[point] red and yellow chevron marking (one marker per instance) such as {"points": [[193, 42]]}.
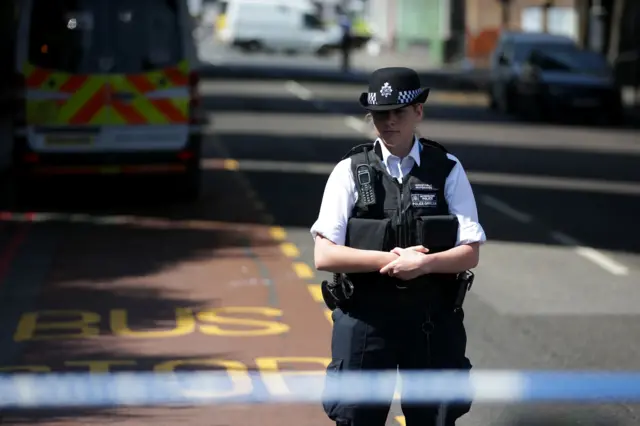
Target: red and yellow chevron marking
{"points": [[92, 98], [85, 104], [141, 109]]}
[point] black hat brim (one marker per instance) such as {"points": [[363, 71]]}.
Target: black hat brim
{"points": [[420, 99]]}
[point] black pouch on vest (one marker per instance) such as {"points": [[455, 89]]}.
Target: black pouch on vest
{"points": [[368, 234], [437, 233]]}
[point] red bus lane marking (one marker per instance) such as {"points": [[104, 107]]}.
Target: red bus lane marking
{"points": [[10, 250]]}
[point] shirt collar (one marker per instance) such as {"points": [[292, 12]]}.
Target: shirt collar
{"points": [[414, 153]]}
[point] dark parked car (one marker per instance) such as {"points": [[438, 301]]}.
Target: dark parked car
{"points": [[563, 81]]}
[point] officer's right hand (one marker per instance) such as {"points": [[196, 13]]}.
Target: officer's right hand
{"points": [[421, 249]]}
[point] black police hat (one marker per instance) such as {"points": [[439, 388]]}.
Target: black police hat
{"points": [[393, 88]]}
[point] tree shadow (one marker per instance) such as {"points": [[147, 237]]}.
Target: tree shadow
{"points": [[555, 203], [434, 109]]}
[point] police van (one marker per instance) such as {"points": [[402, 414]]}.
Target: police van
{"points": [[108, 87]]}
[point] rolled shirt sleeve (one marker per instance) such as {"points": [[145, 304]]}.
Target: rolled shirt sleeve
{"points": [[462, 203], [338, 200]]}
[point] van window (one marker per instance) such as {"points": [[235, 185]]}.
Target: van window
{"points": [[144, 34], [222, 7], [65, 35], [312, 21]]}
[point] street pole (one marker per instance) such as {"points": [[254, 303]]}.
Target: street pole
{"points": [[506, 14], [548, 4], [505, 9], [596, 26]]}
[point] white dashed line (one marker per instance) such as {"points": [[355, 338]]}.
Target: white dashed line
{"points": [[506, 209], [298, 90], [564, 239], [589, 253], [357, 125]]}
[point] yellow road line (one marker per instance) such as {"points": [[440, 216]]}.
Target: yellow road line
{"points": [[316, 292], [303, 270], [231, 164], [327, 313], [289, 249], [401, 421], [278, 233]]}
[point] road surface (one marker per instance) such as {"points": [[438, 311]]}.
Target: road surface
{"points": [[556, 287]]}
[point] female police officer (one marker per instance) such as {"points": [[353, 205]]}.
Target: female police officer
{"points": [[398, 220]]}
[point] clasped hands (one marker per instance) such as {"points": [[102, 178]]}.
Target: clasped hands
{"points": [[410, 263]]}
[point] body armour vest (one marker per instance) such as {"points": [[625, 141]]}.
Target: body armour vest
{"points": [[393, 214]]}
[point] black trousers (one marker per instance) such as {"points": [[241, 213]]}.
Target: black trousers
{"points": [[371, 336]]}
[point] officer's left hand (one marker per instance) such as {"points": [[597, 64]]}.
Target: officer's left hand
{"points": [[407, 266]]}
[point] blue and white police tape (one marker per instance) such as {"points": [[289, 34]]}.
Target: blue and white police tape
{"points": [[220, 387]]}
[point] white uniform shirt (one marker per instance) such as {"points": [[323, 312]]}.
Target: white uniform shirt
{"points": [[340, 196]]}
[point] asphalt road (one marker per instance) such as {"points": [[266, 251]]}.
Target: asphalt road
{"points": [[556, 287]]}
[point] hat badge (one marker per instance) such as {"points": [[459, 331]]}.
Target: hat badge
{"points": [[386, 90]]}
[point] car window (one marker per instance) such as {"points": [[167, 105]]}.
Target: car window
{"points": [[506, 50], [67, 35], [144, 34], [523, 50], [574, 61]]}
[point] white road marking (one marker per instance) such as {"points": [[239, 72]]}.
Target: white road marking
{"points": [[357, 125], [506, 209], [298, 90], [591, 254]]}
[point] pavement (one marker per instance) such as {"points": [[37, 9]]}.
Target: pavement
{"points": [[121, 278]]}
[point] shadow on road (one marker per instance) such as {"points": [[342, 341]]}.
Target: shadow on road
{"points": [[598, 217], [87, 327], [159, 233], [94, 257], [434, 110]]}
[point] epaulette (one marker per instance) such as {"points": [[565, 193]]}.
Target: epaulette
{"points": [[358, 148], [433, 144]]}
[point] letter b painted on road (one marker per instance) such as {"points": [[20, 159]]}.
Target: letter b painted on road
{"points": [[55, 325]]}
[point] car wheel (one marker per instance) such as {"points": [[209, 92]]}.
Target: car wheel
{"points": [[493, 104]]}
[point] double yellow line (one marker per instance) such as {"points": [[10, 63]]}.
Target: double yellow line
{"points": [[301, 269]]}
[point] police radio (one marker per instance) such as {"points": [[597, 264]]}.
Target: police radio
{"points": [[367, 192]]}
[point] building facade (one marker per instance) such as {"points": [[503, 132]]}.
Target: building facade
{"points": [[434, 28], [485, 18]]}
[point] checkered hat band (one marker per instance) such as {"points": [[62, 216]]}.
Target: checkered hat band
{"points": [[404, 97]]}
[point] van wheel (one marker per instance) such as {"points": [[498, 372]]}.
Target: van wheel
{"points": [[493, 104], [251, 46], [24, 191], [189, 186], [323, 51]]}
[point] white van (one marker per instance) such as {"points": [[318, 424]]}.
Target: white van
{"points": [[283, 26], [107, 87]]}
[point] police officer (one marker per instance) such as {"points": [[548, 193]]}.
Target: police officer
{"points": [[398, 227]]}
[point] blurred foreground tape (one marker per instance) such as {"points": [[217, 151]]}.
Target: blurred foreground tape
{"points": [[212, 387]]}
